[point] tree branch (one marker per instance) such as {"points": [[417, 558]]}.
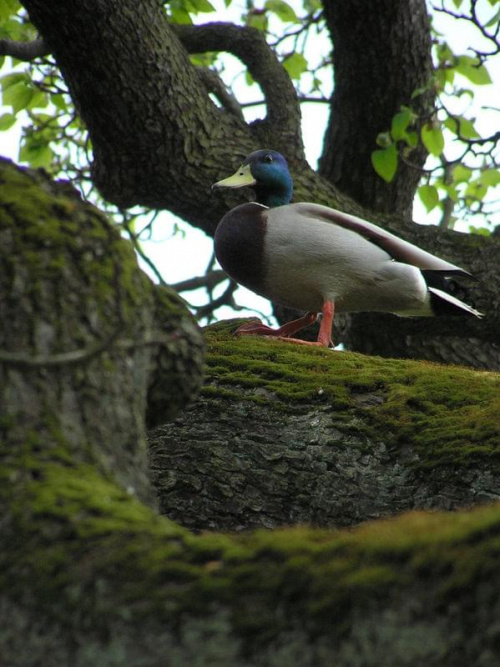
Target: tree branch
{"points": [[24, 50], [209, 280], [216, 86], [250, 46]]}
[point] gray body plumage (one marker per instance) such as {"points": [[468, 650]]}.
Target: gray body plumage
{"points": [[323, 261], [305, 254]]}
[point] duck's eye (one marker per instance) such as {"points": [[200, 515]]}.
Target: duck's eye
{"points": [[268, 159]]}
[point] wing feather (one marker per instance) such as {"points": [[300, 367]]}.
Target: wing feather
{"points": [[399, 250]]}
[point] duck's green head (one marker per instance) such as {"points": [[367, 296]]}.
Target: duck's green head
{"points": [[267, 172]]}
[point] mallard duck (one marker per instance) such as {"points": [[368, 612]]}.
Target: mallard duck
{"points": [[317, 259]]}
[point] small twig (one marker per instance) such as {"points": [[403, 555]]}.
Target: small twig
{"points": [[224, 299], [210, 280], [301, 98], [141, 253]]}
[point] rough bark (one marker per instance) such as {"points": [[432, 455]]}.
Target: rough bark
{"points": [[381, 56], [85, 336], [91, 575], [153, 125], [159, 140], [284, 435]]}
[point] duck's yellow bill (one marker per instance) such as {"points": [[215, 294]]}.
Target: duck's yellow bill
{"points": [[242, 177]]}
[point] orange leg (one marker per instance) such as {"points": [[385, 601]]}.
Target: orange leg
{"points": [[257, 328], [285, 331], [325, 329]]}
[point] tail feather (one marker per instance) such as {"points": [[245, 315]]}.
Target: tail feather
{"points": [[443, 303]]}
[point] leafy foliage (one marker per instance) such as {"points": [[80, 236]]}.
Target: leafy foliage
{"points": [[464, 162]]}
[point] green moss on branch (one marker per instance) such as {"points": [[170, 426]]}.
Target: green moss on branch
{"points": [[449, 413]]}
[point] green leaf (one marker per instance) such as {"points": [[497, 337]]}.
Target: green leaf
{"points": [[400, 123], [451, 123], [451, 191], [18, 96], [384, 139], [256, 19], [490, 177], [466, 128], [39, 100], [198, 6], [59, 101], [419, 91], [203, 59], [412, 139], [494, 19], [316, 84], [473, 70], [249, 80], [180, 15], [36, 154], [432, 137], [312, 6], [444, 53], [429, 196], [444, 76], [282, 10], [476, 190], [457, 3], [10, 79], [7, 120], [385, 162], [8, 8], [461, 173], [295, 64]]}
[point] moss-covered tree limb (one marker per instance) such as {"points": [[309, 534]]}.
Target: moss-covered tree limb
{"points": [[284, 434], [89, 576], [85, 337]]}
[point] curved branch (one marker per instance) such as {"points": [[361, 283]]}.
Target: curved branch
{"points": [[250, 46], [24, 50], [215, 85]]}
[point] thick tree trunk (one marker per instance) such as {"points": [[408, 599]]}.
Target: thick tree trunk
{"points": [[381, 56], [90, 575]]}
